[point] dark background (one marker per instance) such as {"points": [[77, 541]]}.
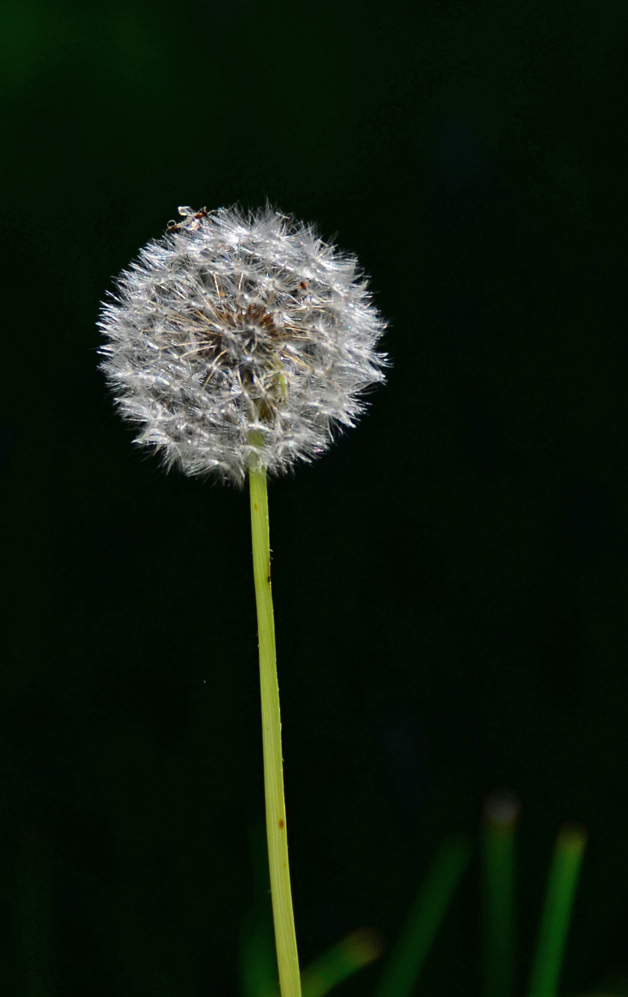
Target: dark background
{"points": [[450, 579]]}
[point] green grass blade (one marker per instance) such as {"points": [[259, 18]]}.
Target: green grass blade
{"points": [[258, 963], [499, 820], [258, 960], [356, 950], [409, 955], [561, 889]]}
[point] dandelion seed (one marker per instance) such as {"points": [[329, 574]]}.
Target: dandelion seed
{"points": [[235, 335]]}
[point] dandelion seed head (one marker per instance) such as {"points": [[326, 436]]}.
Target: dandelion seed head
{"points": [[238, 335]]}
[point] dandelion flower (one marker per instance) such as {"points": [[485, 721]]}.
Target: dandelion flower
{"points": [[235, 335], [239, 343]]}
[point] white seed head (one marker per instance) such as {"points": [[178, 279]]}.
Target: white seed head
{"points": [[236, 335]]}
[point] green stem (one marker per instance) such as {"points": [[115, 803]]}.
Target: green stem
{"points": [[276, 831]]}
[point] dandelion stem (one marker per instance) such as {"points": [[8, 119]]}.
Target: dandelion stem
{"points": [[276, 831]]}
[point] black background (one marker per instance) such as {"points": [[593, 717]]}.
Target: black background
{"points": [[450, 579]]}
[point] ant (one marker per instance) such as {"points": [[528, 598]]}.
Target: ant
{"points": [[189, 216]]}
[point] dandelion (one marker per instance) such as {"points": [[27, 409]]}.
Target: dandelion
{"points": [[239, 344], [233, 335]]}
